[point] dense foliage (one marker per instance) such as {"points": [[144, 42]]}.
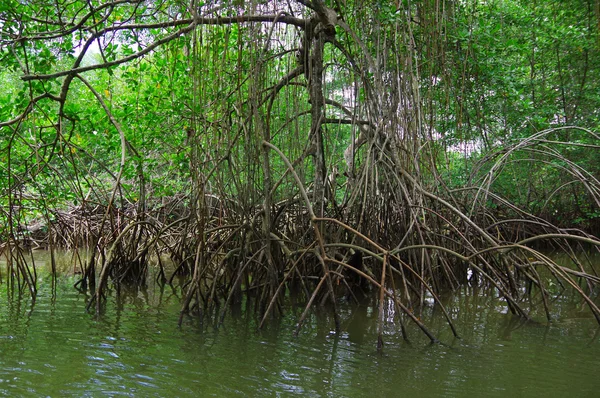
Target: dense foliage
{"points": [[265, 144]]}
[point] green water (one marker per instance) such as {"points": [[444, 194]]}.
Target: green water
{"points": [[55, 348]]}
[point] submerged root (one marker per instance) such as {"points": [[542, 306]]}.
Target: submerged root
{"points": [[406, 249]]}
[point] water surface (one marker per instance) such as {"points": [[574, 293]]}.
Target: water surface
{"points": [[55, 348]]}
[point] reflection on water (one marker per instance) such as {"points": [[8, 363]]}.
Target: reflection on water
{"points": [[136, 349]]}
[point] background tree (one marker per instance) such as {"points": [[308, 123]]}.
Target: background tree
{"points": [[307, 145]]}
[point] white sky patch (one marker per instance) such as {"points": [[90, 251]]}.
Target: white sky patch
{"points": [[90, 55]]}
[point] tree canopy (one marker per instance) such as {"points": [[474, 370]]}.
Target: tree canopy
{"points": [[261, 144]]}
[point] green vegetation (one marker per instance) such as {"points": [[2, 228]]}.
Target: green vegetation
{"points": [[263, 145]]}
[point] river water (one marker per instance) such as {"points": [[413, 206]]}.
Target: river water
{"points": [[55, 348]]}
